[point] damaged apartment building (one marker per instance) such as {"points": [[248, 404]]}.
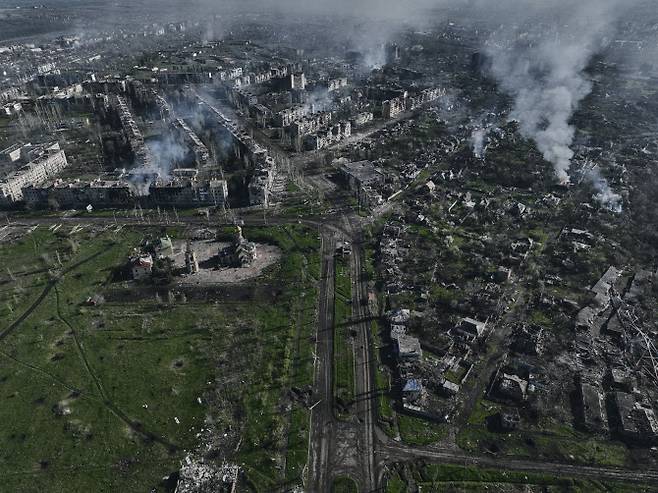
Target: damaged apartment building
{"points": [[257, 160], [364, 180], [27, 166], [184, 190], [394, 107]]}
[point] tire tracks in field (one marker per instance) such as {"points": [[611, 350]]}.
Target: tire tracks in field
{"points": [[46, 290], [104, 398]]}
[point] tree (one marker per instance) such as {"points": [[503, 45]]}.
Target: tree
{"points": [[163, 271]]}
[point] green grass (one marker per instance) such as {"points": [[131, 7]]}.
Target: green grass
{"points": [[435, 477], [417, 431], [482, 410], [447, 477], [343, 351], [382, 380], [344, 485], [292, 187], [275, 441], [395, 484], [130, 375], [570, 446], [59, 358]]}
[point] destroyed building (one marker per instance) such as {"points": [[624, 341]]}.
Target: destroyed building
{"points": [[363, 179], [27, 166], [141, 266], [120, 192]]}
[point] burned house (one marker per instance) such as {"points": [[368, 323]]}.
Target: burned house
{"points": [[507, 419], [411, 390], [508, 388], [589, 318], [407, 347], [528, 339], [448, 388]]}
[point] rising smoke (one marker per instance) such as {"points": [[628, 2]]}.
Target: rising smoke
{"points": [[603, 195], [164, 155], [479, 142], [542, 66], [539, 52], [318, 100]]}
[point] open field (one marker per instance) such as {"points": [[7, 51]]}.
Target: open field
{"points": [[343, 350], [557, 443], [439, 478], [109, 397]]}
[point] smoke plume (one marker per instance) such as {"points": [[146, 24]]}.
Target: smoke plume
{"points": [[542, 66], [604, 195], [165, 155], [478, 142]]}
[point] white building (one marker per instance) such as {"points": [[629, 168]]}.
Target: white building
{"points": [[43, 163]]}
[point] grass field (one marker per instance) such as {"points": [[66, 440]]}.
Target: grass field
{"points": [[418, 431], [560, 443], [344, 485], [274, 352], [343, 350], [445, 477], [108, 397]]}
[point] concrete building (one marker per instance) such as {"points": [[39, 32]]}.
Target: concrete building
{"points": [[42, 163], [329, 135], [192, 140], [364, 179], [298, 81], [633, 421], [118, 192], [392, 53], [12, 153], [336, 84], [286, 117], [408, 348], [309, 124], [362, 119], [132, 133], [394, 107], [590, 412], [191, 262], [471, 329]]}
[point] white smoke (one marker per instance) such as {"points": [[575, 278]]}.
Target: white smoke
{"points": [[479, 142], [165, 154], [604, 195], [545, 74], [318, 100]]}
